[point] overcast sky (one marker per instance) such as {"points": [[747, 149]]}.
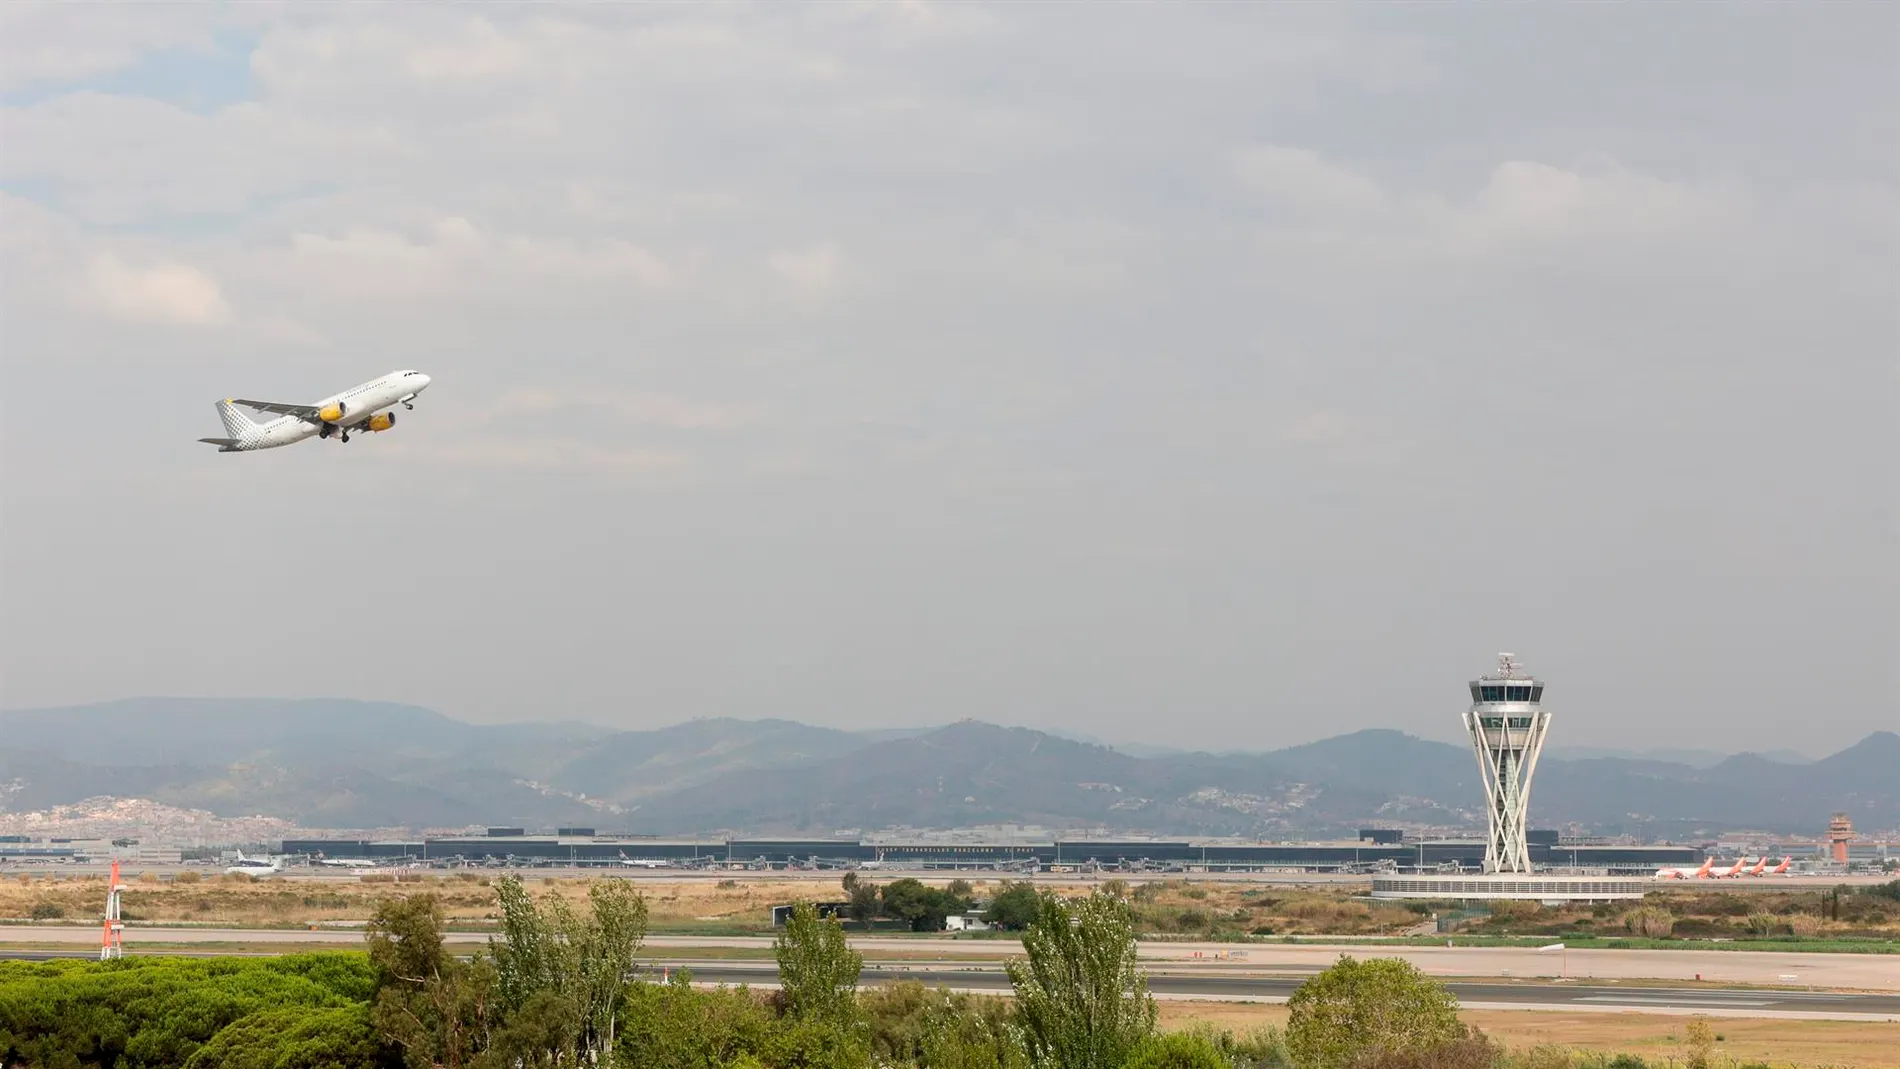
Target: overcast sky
{"points": [[1224, 375]]}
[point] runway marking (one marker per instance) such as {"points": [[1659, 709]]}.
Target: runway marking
{"points": [[1688, 1000]]}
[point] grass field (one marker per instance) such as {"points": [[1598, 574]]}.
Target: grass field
{"points": [[1799, 919], [1807, 1044]]}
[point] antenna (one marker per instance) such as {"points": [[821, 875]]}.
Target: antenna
{"points": [[112, 939]]}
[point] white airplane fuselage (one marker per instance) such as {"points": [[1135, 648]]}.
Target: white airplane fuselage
{"points": [[359, 408], [252, 866]]}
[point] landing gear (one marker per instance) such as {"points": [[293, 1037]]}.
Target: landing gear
{"points": [[409, 406], [346, 436]]}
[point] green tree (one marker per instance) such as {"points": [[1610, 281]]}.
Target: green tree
{"points": [[1357, 1009], [864, 906], [1081, 999], [1015, 906], [147, 1012], [675, 1026], [923, 908], [817, 970], [301, 1038], [439, 1011], [557, 970]]}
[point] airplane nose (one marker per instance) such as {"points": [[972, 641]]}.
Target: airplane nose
{"points": [[424, 384]]}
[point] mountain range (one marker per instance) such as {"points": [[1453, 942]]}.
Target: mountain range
{"points": [[356, 764]]}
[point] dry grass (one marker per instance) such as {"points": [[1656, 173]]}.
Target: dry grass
{"points": [[1215, 908], [1864, 1045], [1177, 907], [242, 901]]}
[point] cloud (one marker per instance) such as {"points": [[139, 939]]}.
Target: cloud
{"points": [[452, 256], [635, 409], [816, 271], [65, 44], [168, 293], [1520, 203], [902, 313]]}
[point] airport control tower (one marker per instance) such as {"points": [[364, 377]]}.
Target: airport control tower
{"points": [[1507, 724]]}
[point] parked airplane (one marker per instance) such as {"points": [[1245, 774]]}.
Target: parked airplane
{"points": [[1687, 874], [1733, 872], [643, 862], [254, 866], [355, 409], [1778, 870]]}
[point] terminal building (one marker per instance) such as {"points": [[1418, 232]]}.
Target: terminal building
{"points": [[1506, 723], [585, 847]]}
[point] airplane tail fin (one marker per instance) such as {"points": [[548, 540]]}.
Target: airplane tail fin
{"points": [[236, 423]]}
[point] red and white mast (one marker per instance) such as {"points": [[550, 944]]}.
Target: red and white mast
{"points": [[112, 940]]}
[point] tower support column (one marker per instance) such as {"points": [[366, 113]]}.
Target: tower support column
{"points": [[1507, 724]]}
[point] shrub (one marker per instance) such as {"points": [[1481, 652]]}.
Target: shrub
{"points": [[1804, 924], [1360, 1008], [1650, 922], [1262, 1048], [1762, 923], [1514, 911], [1471, 1052], [48, 911], [1701, 1041], [1176, 1050]]}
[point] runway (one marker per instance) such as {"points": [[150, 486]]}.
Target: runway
{"points": [[1474, 995], [1200, 984], [1879, 973]]}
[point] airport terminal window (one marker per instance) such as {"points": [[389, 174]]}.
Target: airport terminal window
{"points": [[1520, 721], [1537, 693], [1477, 693], [1493, 723]]}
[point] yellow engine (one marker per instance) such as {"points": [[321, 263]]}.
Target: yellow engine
{"points": [[381, 421], [332, 413]]}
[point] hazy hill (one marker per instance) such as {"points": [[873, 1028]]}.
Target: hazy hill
{"points": [[221, 730], [344, 763], [976, 773], [638, 764]]}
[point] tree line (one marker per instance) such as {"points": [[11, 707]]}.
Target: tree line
{"points": [[559, 987]]}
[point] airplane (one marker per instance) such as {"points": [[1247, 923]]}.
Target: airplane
{"points": [[643, 862], [1687, 874], [355, 409], [1778, 870], [1731, 873], [254, 866]]}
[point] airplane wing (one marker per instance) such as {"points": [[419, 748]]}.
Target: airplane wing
{"points": [[308, 412]]}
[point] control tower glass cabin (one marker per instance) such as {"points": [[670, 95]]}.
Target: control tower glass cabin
{"points": [[1507, 724]]}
